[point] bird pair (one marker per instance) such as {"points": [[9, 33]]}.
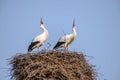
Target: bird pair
{"points": [[63, 42]]}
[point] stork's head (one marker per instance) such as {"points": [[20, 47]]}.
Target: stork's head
{"points": [[41, 23], [73, 28]]}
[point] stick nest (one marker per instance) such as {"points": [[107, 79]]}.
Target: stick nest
{"points": [[51, 65]]}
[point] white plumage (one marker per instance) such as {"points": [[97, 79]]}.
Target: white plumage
{"points": [[40, 39], [65, 40]]}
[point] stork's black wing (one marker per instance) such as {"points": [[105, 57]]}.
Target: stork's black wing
{"points": [[58, 44], [31, 45]]}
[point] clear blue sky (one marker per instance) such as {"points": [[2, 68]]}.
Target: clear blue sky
{"points": [[97, 24]]}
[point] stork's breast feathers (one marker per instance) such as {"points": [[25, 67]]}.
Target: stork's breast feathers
{"points": [[69, 38], [42, 38]]}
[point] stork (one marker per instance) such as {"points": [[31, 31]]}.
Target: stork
{"points": [[40, 39], [65, 40]]}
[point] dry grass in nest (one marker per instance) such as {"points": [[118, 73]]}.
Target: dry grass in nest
{"points": [[51, 65]]}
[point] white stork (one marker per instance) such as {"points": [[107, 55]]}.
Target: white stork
{"points": [[40, 39], [65, 40]]}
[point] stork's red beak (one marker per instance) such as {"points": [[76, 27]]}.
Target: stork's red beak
{"points": [[41, 22], [73, 23]]}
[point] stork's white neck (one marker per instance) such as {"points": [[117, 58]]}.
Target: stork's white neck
{"points": [[44, 29], [74, 31]]}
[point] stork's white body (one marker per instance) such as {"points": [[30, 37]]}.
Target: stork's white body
{"points": [[65, 40], [40, 39]]}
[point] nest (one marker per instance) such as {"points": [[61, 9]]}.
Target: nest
{"points": [[51, 65]]}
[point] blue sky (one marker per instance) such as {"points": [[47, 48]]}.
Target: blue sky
{"points": [[97, 24]]}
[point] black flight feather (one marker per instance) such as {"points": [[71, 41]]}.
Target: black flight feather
{"points": [[58, 44], [31, 45]]}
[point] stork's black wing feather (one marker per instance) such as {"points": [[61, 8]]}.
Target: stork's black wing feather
{"points": [[58, 44], [31, 45]]}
